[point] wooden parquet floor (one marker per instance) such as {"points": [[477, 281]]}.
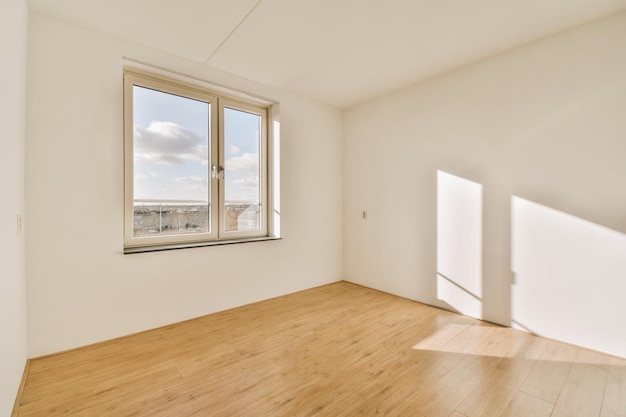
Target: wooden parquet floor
{"points": [[337, 350]]}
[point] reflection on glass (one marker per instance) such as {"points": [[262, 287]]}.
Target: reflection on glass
{"points": [[171, 153], [242, 191]]}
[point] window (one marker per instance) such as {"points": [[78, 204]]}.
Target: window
{"points": [[197, 165]]}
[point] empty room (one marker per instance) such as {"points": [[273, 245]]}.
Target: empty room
{"points": [[298, 208]]}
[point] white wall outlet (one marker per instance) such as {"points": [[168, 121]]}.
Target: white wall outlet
{"points": [[364, 215]]}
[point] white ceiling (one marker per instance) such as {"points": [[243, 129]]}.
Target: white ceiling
{"points": [[341, 52]]}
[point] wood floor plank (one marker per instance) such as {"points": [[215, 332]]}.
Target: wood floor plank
{"points": [[524, 405], [614, 401], [582, 393], [340, 350], [442, 395], [592, 358], [488, 400], [550, 372], [500, 387]]}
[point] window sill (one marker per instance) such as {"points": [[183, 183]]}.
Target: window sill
{"points": [[158, 248]]}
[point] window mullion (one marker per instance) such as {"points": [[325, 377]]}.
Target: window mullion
{"points": [[213, 167]]}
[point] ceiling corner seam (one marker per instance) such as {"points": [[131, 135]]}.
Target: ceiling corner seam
{"points": [[243, 19]]}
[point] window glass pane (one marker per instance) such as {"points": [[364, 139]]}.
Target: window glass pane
{"points": [[242, 136], [171, 158]]}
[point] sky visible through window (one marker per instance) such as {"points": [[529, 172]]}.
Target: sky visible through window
{"points": [[171, 154], [241, 140]]}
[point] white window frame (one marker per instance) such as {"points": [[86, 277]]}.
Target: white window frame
{"points": [[262, 113], [268, 157]]}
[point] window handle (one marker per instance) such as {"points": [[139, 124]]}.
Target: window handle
{"points": [[217, 171]]}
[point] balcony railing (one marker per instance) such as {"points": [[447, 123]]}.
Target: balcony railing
{"points": [[172, 217]]}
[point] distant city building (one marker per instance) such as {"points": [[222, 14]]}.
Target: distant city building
{"points": [[153, 218]]}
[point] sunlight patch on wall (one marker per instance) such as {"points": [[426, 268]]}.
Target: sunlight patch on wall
{"points": [[459, 243], [570, 278]]}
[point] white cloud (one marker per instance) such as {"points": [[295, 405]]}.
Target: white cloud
{"points": [[192, 180], [193, 187], [145, 176], [167, 143], [234, 150], [247, 164], [247, 182]]}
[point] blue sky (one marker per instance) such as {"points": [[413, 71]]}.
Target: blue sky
{"points": [[171, 138], [241, 133]]}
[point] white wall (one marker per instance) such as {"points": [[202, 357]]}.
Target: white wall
{"points": [[81, 288], [544, 123], [13, 40]]}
